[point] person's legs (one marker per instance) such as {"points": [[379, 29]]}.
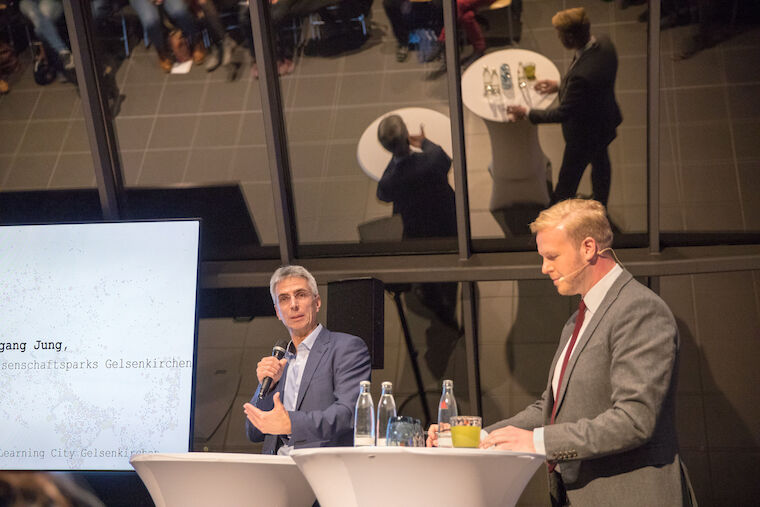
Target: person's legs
{"points": [[217, 32], [180, 15], [399, 21], [213, 21], [601, 175], [151, 22], [574, 162], [466, 14], [43, 15], [466, 10]]}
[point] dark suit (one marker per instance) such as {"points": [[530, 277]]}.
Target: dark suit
{"points": [[614, 435], [419, 190], [589, 116], [326, 398]]}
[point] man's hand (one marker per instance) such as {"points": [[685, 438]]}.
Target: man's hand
{"points": [[509, 439], [274, 422], [544, 86], [517, 112], [432, 438], [270, 366], [416, 140]]}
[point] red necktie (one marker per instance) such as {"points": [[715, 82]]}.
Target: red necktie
{"points": [[578, 324], [576, 330]]}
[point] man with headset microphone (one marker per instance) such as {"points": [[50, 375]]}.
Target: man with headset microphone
{"points": [[606, 420], [314, 380]]}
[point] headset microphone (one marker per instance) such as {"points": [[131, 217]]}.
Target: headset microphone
{"points": [[571, 275], [585, 265]]}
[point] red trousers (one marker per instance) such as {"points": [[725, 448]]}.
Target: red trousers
{"points": [[466, 16]]}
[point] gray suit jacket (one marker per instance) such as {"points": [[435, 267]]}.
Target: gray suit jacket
{"points": [[324, 415], [614, 435]]}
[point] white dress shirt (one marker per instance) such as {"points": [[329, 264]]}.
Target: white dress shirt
{"points": [[592, 299]]}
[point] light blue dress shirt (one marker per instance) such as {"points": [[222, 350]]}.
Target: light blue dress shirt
{"points": [[296, 366]]}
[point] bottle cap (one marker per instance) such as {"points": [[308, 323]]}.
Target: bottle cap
{"points": [[387, 385], [365, 383], [448, 383]]}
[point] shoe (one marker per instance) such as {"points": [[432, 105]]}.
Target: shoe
{"points": [[402, 52], [214, 58], [438, 72], [165, 63], [4, 87], [199, 53], [67, 60]]}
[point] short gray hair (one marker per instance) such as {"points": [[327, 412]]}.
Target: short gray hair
{"points": [[288, 271], [392, 134]]}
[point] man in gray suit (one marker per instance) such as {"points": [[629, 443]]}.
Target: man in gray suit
{"points": [[316, 384], [606, 420]]}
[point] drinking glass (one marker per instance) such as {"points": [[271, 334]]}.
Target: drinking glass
{"points": [[401, 432], [465, 430], [530, 71]]}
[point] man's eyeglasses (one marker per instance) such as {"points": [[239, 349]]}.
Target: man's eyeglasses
{"points": [[300, 296]]}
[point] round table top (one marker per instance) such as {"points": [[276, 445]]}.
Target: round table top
{"points": [[458, 453], [493, 107], [211, 457], [373, 158]]}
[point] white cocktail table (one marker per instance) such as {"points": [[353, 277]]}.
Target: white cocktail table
{"points": [[210, 478], [519, 165], [383, 476]]}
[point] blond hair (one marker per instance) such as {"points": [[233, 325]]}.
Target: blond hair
{"points": [[580, 218], [574, 22]]}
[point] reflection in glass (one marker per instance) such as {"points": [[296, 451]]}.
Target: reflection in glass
{"points": [[521, 165], [335, 100], [189, 127], [709, 117], [43, 143]]}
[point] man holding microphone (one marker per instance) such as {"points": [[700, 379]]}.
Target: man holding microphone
{"points": [[316, 384]]}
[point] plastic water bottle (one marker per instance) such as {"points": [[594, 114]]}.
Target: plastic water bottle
{"points": [[447, 408], [506, 76], [386, 408], [487, 84], [364, 417]]}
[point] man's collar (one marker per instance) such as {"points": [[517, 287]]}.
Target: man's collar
{"points": [[595, 294], [308, 342], [589, 44]]}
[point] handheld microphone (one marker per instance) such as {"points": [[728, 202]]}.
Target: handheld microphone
{"points": [[278, 351]]}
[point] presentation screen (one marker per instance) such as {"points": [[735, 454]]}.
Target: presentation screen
{"points": [[97, 342]]}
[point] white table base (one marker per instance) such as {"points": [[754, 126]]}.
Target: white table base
{"points": [[518, 167], [206, 478], [386, 476]]}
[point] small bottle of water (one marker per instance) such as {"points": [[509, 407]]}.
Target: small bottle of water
{"points": [[506, 76], [386, 408], [364, 417], [447, 408], [487, 84]]}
